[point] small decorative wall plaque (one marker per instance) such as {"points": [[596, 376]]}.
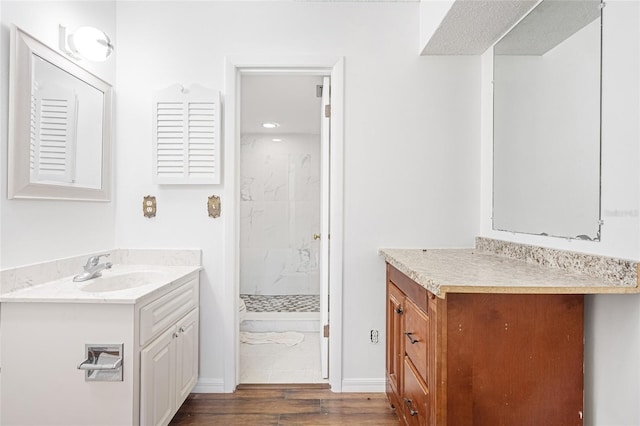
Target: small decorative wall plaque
{"points": [[149, 206], [213, 206]]}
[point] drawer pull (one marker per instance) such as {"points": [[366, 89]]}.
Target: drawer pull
{"points": [[399, 310], [411, 339], [412, 412]]}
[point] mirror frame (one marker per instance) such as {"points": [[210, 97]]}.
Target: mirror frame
{"points": [[23, 48]]}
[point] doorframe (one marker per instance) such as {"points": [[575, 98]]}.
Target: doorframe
{"points": [[235, 66]]}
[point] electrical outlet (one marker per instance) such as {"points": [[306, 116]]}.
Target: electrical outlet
{"points": [[374, 336]]}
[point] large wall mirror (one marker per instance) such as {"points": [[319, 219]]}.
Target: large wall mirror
{"points": [[59, 126], [546, 130]]}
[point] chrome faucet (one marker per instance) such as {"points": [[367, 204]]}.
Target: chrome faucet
{"points": [[92, 269]]}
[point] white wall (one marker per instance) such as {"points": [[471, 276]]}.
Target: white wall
{"points": [[612, 348], [432, 12], [31, 230], [411, 142], [279, 213]]}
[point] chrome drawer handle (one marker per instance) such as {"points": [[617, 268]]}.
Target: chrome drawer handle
{"points": [[412, 412], [411, 339]]}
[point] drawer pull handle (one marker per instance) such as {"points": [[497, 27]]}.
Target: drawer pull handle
{"points": [[176, 335], [412, 412], [181, 329], [411, 339], [399, 311]]}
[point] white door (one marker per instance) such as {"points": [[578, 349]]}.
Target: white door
{"points": [[186, 356], [324, 233], [157, 380]]}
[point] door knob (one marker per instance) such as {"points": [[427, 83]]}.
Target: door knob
{"points": [[316, 236]]}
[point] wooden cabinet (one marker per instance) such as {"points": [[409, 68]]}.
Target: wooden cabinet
{"points": [[483, 359]]}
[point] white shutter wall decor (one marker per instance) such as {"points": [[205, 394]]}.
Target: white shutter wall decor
{"points": [[53, 133], [186, 135]]}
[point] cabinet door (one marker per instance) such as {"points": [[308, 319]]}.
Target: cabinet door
{"points": [[395, 350], [187, 356], [157, 380]]}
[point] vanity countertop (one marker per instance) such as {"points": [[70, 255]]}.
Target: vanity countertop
{"points": [[65, 290], [443, 271]]}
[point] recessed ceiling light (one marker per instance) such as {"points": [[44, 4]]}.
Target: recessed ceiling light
{"points": [[270, 125], [276, 140]]}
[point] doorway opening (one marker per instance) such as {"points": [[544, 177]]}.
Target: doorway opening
{"points": [[236, 69], [283, 260]]}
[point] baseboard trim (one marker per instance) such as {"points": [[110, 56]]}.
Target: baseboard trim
{"points": [[205, 385], [363, 385], [209, 386]]}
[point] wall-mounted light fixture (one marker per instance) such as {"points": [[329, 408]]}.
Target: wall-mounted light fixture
{"points": [[86, 43]]}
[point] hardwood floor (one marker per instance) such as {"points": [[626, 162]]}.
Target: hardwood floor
{"points": [[267, 405]]}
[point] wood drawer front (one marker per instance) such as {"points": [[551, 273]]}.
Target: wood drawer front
{"points": [[416, 337], [158, 315], [415, 398], [418, 294]]}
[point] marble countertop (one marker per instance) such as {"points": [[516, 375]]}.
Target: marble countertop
{"points": [[443, 271], [65, 290]]}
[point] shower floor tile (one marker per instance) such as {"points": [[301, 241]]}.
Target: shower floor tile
{"points": [[274, 363], [282, 303]]}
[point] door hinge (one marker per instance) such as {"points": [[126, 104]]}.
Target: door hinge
{"points": [[326, 330], [327, 111]]}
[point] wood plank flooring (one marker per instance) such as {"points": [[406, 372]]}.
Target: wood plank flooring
{"points": [[267, 405]]}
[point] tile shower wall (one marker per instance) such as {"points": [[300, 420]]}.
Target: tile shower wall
{"points": [[280, 212]]}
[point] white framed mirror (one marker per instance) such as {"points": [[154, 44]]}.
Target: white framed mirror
{"points": [[59, 126], [546, 127]]}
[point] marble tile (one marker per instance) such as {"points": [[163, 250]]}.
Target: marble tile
{"points": [[280, 212], [260, 268], [623, 272], [282, 302]]}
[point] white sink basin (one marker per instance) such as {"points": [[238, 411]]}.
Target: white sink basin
{"points": [[123, 281]]}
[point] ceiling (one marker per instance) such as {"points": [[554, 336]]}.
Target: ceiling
{"points": [[472, 26], [289, 100], [548, 25]]}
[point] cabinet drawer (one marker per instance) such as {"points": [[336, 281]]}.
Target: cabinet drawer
{"points": [[416, 397], [158, 315], [416, 337], [418, 294]]}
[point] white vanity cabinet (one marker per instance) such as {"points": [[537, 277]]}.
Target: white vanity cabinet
{"points": [[168, 370], [43, 341]]}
